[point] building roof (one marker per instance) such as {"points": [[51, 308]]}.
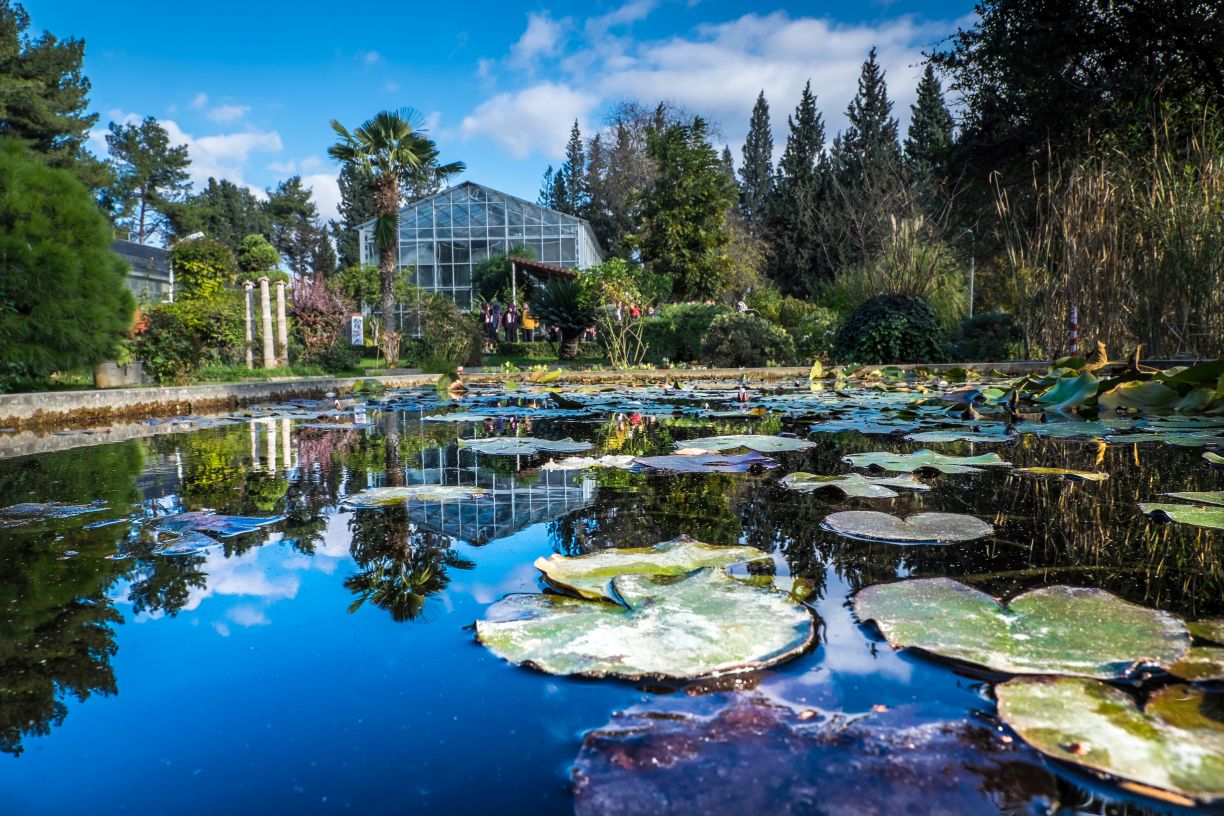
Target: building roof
{"points": [[541, 269], [147, 260], [474, 185]]}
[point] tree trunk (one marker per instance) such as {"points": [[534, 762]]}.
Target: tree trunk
{"points": [[569, 344], [390, 340], [386, 199], [391, 451]]}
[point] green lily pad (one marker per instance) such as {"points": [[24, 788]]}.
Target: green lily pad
{"points": [[1053, 630], [1202, 664], [918, 460], [923, 528], [1175, 744], [590, 575], [757, 442], [1210, 517], [1069, 392], [204, 521], [1214, 459], [1188, 439], [853, 484], [1201, 496], [1211, 629], [959, 435], [1066, 429], [671, 628], [30, 512], [386, 496], [1071, 475], [1141, 395], [522, 445]]}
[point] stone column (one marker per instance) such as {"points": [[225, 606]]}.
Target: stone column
{"points": [[250, 328], [266, 309], [286, 444], [255, 446], [271, 445], [282, 327]]}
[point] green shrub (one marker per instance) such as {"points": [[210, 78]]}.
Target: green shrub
{"points": [[202, 268], [448, 338], [989, 337], [674, 332], [814, 334], [891, 329], [176, 338], [164, 345], [342, 357], [545, 350], [741, 340]]}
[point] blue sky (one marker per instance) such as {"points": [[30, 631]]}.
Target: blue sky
{"points": [[250, 86]]}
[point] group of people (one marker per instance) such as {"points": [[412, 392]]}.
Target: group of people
{"points": [[509, 323]]}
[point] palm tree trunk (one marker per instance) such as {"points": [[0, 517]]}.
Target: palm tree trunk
{"points": [[569, 344], [386, 203], [390, 336]]}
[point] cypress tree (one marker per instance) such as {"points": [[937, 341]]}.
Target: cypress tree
{"points": [[728, 163], [868, 148], [795, 261], [756, 172], [570, 182], [547, 197], [930, 131]]}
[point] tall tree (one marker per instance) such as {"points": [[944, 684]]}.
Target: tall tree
{"points": [[868, 146], [150, 176], [570, 188], [294, 221], [683, 234], [223, 211], [388, 149], [548, 195], [929, 137], [795, 261], [355, 208], [44, 96], [728, 163], [756, 170]]}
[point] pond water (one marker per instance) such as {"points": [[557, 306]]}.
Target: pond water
{"points": [[327, 662]]}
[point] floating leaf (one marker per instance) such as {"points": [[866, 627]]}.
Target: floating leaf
{"points": [[1052, 630], [959, 435], [1202, 664], [923, 528], [462, 416], [757, 758], [29, 512], [1066, 429], [1189, 439], [755, 442], [188, 543], [1071, 475], [1140, 395], [587, 462], [1176, 744], [522, 445], [589, 575], [1210, 517], [853, 484], [1214, 459], [918, 460], [1069, 392], [1202, 497], [706, 463], [388, 496], [214, 524], [670, 627], [1211, 629], [337, 426]]}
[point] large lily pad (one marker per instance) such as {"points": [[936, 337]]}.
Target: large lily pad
{"points": [[1175, 744], [925, 459], [388, 496], [999, 434], [1201, 664], [1064, 473], [1197, 515], [1139, 395], [1201, 496], [29, 512], [852, 484], [1211, 629], [1052, 630], [590, 575], [757, 758], [923, 528], [756, 442], [214, 524], [670, 628], [522, 445], [706, 463], [1213, 459]]}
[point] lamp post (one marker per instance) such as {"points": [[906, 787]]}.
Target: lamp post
{"points": [[972, 247]]}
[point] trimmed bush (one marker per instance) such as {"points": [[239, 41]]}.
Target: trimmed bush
{"points": [[341, 357], [545, 350], [891, 329], [989, 337], [742, 340], [674, 333]]}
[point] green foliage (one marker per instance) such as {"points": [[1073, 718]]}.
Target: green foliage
{"points": [[891, 329], [929, 138], [355, 208], [562, 304], [491, 276], [448, 339], [796, 263], [744, 340], [223, 211], [202, 268], [164, 346], [989, 337], [812, 327], [340, 357], [295, 229], [540, 350], [256, 256], [63, 302], [683, 229], [150, 175], [756, 171], [674, 332], [176, 338]]}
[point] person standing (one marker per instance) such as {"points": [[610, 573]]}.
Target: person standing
{"points": [[511, 320], [495, 319], [530, 324]]}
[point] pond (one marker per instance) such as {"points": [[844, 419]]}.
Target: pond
{"points": [[324, 658]]}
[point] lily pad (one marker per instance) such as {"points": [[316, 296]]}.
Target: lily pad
{"points": [[1052, 630], [1064, 473], [1202, 497], [1140, 395], [1175, 744], [959, 435], [853, 484], [923, 528], [925, 459], [1211, 629], [1214, 459], [588, 462], [590, 575], [214, 524], [388, 496], [462, 416], [705, 463], [1069, 392], [670, 628], [522, 445], [1210, 517], [29, 512], [1202, 664], [1066, 429], [756, 442]]}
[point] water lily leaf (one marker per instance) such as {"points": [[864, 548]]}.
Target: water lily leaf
{"points": [[1069, 392], [910, 462], [388, 496], [671, 627], [1191, 439], [1065, 429], [1210, 517], [188, 543], [1141, 395], [1196, 375], [852, 484], [960, 435], [1052, 630], [1202, 664], [1211, 629], [587, 462], [1202, 497], [1214, 459], [1175, 744], [705, 463], [214, 524], [462, 416], [1070, 475], [755, 758], [923, 528], [590, 575], [29, 512], [755, 442], [337, 426], [522, 445]]}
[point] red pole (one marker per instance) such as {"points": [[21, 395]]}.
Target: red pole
{"points": [[1074, 331]]}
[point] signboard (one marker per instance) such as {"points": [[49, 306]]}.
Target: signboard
{"points": [[357, 330]]}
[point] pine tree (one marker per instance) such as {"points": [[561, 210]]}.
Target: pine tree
{"points": [[356, 207], [868, 147], [930, 132], [756, 172], [223, 211], [795, 262], [150, 176], [573, 188], [294, 219], [728, 164], [547, 197]]}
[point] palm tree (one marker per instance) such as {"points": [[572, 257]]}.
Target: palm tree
{"points": [[560, 304], [390, 150]]}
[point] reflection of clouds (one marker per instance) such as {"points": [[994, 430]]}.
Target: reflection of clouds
{"points": [[847, 649], [519, 579], [330, 550], [248, 615], [243, 575]]}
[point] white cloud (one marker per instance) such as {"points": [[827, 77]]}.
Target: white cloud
{"points": [[222, 155], [371, 57], [543, 38], [198, 101], [326, 191], [228, 113], [630, 12], [534, 120], [391, 86], [285, 168]]}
